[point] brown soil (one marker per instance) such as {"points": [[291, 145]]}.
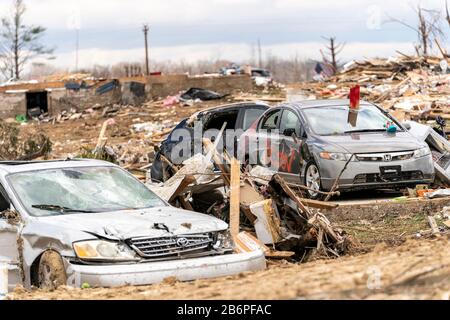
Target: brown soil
{"points": [[414, 270], [70, 136]]}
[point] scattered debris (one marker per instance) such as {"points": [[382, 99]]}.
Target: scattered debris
{"points": [[414, 88], [201, 94], [277, 215]]}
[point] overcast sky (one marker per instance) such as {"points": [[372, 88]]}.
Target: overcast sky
{"points": [[110, 30]]}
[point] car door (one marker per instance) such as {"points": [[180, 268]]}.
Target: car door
{"points": [[291, 139], [248, 115], [9, 231], [267, 140]]}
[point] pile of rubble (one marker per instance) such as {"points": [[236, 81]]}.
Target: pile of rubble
{"points": [[259, 203], [415, 88]]}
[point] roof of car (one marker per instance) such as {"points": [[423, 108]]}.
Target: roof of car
{"points": [[23, 166], [234, 106], [321, 103]]}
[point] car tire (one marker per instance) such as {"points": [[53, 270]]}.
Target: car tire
{"points": [[51, 272], [313, 181]]}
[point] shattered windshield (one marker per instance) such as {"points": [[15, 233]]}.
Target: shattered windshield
{"points": [[337, 120], [81, 190]]}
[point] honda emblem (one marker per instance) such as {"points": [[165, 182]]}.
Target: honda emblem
{"points": [[387, 157]]}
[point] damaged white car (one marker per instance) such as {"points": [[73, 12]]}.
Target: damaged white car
{"points": [[87, 222]]}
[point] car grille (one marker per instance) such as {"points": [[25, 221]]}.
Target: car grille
{"points": [[171, 246], [376, 177], [385, 157]]}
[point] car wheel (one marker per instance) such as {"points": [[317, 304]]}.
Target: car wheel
{"points": [[52, 273], [313, 181]]}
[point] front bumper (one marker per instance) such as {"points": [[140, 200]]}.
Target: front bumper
{"points": [[156, 272], [330, 170]]}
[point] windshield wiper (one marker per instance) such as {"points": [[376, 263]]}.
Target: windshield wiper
{"points": [[366, 130], [56, 208]]}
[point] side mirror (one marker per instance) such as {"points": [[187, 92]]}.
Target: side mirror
{"points": [[407, 126], [289, 132]]}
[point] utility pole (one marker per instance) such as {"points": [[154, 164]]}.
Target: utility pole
{"points": [[147, 67], [259, 54], [77, 45]]}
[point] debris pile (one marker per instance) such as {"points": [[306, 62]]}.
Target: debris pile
{"points": [[416, 88], [193, 96], [260, 202]]}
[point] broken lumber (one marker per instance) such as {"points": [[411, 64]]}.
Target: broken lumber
{"points": [[209, 147], [336, 182], [434, 227], [292, 195], [319, 204], [235, 187]]}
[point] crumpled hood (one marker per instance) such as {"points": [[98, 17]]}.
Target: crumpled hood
{"points": [[375, 142], [138, 223]]}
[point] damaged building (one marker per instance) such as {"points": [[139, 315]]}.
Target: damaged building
{"points": [[32, 99]]}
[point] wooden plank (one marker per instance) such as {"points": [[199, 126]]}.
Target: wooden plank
{"points": [[433, 225], [271, 254], [447, 223], [169, 163], [235, 189], [209, 147], [319, 204], [187, 180], [101, 142], [185, 203], [292, 195]]}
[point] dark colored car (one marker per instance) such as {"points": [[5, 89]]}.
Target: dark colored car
{"points": [[238, 117], [311, 142]]}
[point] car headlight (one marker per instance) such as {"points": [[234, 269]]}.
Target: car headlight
{"points": [[422, 152], [224, 240], [336, 156], [100, 250]]}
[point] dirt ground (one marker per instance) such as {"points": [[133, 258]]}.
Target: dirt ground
{"points": [[70, 136], [394, 258], [414, 270]]}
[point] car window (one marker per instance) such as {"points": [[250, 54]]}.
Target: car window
{"points": [[94, 189], [335, 120], [217, 120], [250, 116], [270, 121], [4, 202], [289, 120]]}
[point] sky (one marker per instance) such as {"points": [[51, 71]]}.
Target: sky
{"points": [[110, 31]]}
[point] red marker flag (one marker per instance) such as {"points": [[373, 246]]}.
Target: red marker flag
{"points": [[355, 97]]}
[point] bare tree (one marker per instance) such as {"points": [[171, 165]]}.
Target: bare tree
{"points": [[428, 28], [19, 42], [333, 50]]}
